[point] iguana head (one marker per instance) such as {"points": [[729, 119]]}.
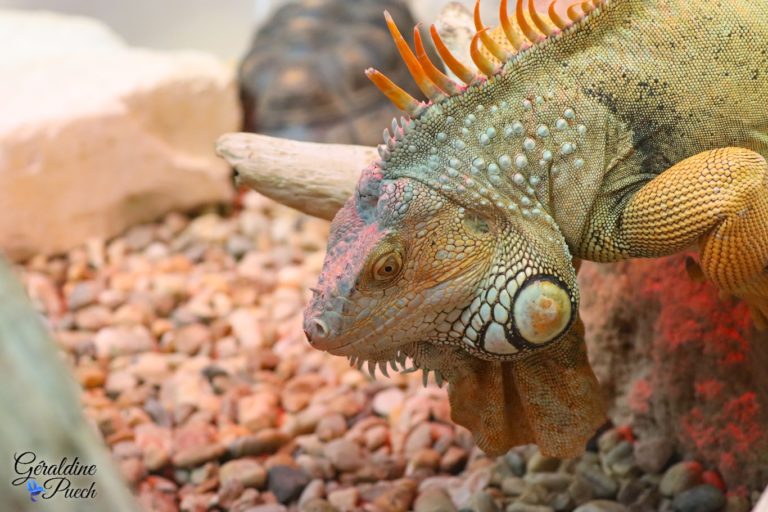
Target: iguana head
{"points": [[447, 252], [410, 262]]}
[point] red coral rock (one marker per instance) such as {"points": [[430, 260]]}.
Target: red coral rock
{"points": [[681, 362]]}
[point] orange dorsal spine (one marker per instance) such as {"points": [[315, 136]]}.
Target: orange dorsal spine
{"points": [[524, 31]]}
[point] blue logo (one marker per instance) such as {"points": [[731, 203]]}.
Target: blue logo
{"points": [[34, 490]]}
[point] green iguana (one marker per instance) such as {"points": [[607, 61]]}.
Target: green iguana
{"points": [[602, 131]]}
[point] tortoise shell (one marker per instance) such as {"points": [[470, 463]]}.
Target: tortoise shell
{"points": [[303, 77]]}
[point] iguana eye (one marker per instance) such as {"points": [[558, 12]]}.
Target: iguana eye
{"points": [[542, 311], [387, 266]]}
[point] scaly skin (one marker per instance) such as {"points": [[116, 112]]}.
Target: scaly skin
{"points": [[637, 132]]}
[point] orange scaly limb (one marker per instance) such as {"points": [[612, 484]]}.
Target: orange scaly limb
{"points": [[432, 91], [438, 77], [719, 198], [460, 70]]}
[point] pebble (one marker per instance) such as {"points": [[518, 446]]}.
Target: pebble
{"points": [[247, 328], [653, 453], [539, 463], [620, 460], [680, 477], [534, 494], [345, 455], [82, 294], [581, 490], [553, 482], [264, 442], [434, 500], [602, 485], [737, 504], [316, 505], [516, 462], [269, 507], [608, 440], [286, 483], [481, 501], [139, 237], [701, 498], [424, 459], [344, 499], [385, 402], [420, 437], [189, 339], [602, 506], [376, 437], [93, 318], [454, 460], [630, 490], [247, 472], [119, 382], [90, 376], [198, 455], [331, 427], [314, 490], [513, 486], [155, 443], [113, 342], [259, 410], [527, 507]]}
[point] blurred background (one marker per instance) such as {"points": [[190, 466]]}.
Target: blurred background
{"points": [[224, 28]]}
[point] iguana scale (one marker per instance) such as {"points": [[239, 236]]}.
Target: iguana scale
{"points": [[599, 131]]}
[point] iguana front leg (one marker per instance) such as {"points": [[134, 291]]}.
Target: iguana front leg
{"points": [[720, 199]]}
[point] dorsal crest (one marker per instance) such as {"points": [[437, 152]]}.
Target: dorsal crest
{"points": [[526, 29]]}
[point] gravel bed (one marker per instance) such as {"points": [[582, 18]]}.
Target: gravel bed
{"points": [[186, 337]]}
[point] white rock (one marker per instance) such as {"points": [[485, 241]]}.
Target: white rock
{"points": [[96, 136]]}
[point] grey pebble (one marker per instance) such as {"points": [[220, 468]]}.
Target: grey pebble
{"points": [[603, 486], [680, 477], [286, 483], [482, 502], [525, 507], [539, 463], [515, 462], [653, 454], [702, 498], [513, 486], [602, 506], [553, 482]]}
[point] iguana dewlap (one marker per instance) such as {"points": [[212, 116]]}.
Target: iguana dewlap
{"points": [[613, 129]]}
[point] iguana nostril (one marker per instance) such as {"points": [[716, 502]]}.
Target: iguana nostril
{"points": [[317, 330]]}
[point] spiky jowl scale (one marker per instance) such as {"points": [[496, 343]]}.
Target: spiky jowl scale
{"points": [[616, 129]]}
